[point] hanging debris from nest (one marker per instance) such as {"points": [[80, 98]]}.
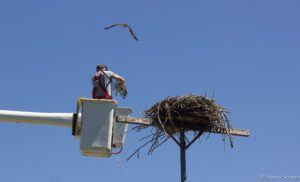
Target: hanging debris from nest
{"points": [[187, 113]]}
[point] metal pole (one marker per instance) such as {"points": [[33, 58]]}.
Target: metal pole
{"points": [[182, 156]]}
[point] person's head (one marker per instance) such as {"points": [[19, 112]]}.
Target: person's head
{"points": [[102, 67]]}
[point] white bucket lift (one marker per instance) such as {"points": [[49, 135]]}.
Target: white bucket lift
{"points": [[93, 123], [96, 127]]}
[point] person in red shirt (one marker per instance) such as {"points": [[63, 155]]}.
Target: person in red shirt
{"points": [[102, 82]]}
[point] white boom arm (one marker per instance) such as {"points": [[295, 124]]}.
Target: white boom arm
{"points": [[53, 119]]}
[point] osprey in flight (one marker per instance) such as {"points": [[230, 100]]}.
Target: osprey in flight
{"points": [[124, 26]]}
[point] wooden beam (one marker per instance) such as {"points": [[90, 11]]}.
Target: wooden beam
{"points": [[132, 120], [144, 121], [233, 131]]}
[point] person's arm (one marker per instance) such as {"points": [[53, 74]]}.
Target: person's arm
{"points": [[119, 78], [116, 76], [95, 81]]}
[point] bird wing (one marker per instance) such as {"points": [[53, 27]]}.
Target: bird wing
{"points": [[111, 26], [132, 33]]}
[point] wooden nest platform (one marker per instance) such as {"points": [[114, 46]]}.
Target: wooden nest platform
{"points": [[184, 113]]}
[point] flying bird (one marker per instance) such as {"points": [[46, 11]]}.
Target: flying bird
{"points": [[123, 25]]}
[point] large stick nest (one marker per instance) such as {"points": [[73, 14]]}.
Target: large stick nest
{"points": [[188, 113]]}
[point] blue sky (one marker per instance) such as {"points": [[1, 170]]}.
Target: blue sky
{"points": [[245, 53]]}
